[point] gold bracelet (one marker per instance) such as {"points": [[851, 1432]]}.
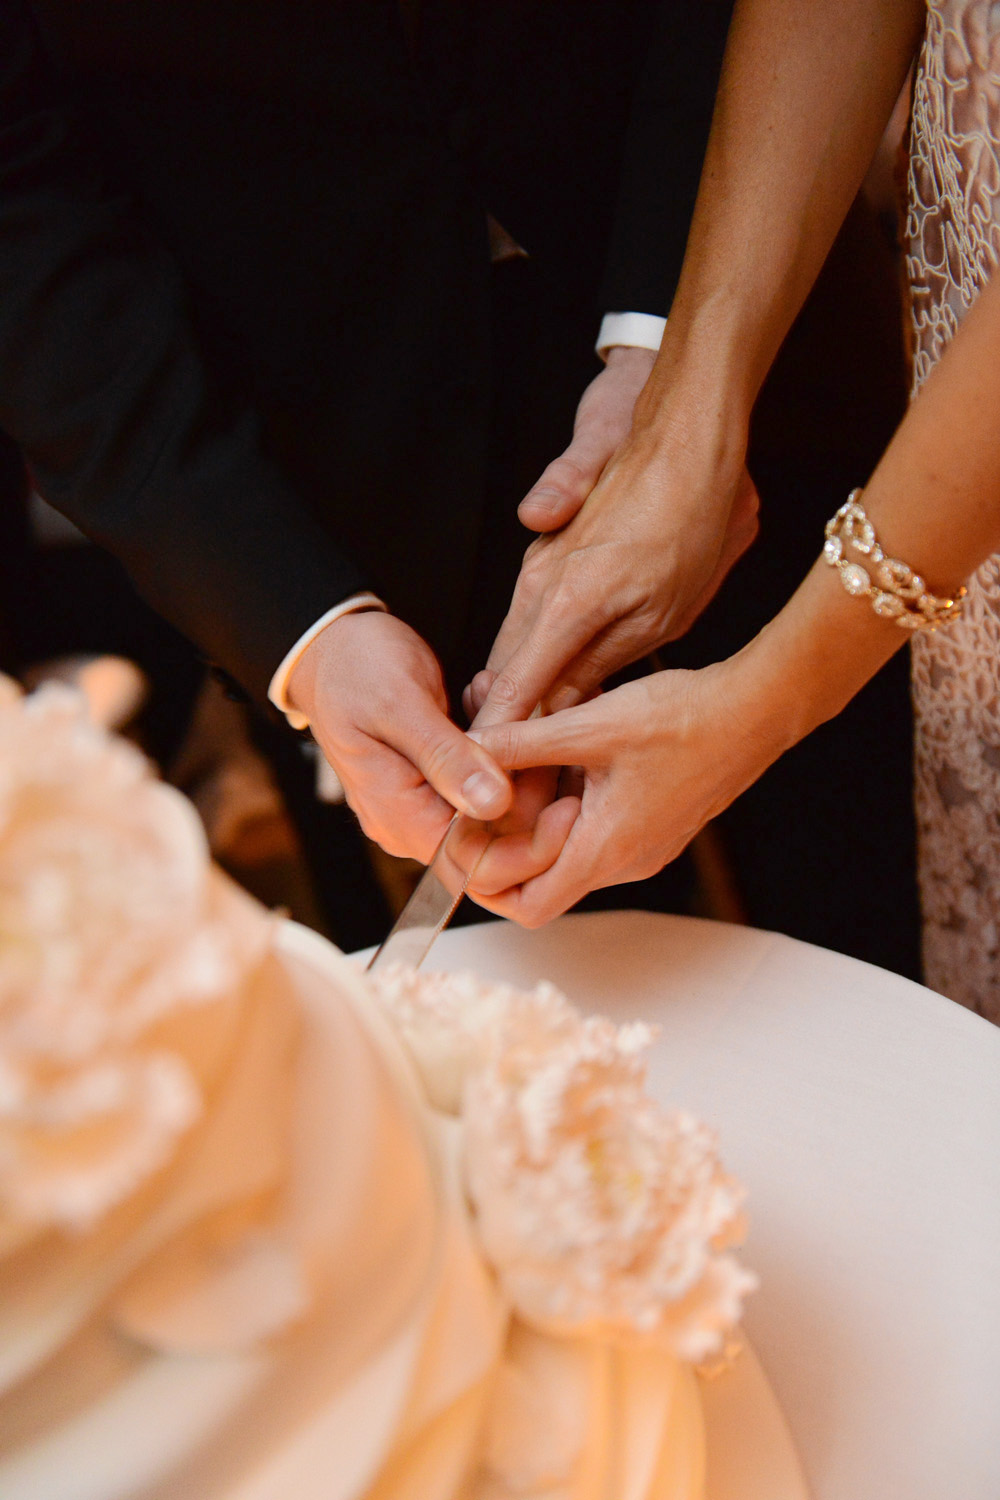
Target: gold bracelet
{"points": [[898, 593]]}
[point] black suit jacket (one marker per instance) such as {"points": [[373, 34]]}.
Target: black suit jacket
{"points": [[248, 327]]}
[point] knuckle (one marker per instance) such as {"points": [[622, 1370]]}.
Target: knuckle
{"points": [[534, 566], [487, 885], [575, 472], [506, 693], [503, 743], [482, 682], [406, 832], [374, 828], [535, 914], [564, 597], [648, 626], [437, 757], [565, 469], [564, 474], [391, 844], [419, 742], [646, 866], [577, 594]]}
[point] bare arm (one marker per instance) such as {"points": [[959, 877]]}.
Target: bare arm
{"points": [[806, 90]]}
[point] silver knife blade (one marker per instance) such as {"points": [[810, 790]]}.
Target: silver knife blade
{"points": [[434, 901], [430, 908]]}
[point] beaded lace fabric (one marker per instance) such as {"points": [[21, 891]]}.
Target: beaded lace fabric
{"points": [[953, 243]]}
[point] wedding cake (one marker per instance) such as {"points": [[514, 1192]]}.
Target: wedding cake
{"points": [[271, 1229]]}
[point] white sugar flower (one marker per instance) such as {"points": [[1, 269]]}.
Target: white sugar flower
{"points": [[453, 1023], [113, 928], [601, 1212]]}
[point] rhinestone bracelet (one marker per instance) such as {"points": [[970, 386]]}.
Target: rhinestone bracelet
{"points": [[897, 593]]}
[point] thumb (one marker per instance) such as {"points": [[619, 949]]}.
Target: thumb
{"points": [[557, 496], [459, 770]]}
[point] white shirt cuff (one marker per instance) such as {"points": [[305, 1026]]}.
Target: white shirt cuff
{"points": [[637, 330], [277, 687]]}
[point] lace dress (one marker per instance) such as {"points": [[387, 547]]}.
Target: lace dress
{"points": [[953, 234]]}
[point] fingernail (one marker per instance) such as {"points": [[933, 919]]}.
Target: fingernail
{"points": [[477, 735], [483, 794], [544, 499]]}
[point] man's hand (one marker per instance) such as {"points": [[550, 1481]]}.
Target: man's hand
{"points": [[643, 554], [376, 703], [603, 422]]}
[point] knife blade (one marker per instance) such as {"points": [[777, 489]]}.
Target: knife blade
{"points": [[431, 907], [435, 897]]}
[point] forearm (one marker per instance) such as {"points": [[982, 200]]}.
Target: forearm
{"points": [[805, 93], [934, 501]]}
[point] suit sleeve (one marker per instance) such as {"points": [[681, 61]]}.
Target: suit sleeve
{"points": [[665, 147], [103, 387]]}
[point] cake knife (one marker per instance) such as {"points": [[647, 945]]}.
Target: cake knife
{"points": [[431, 907], [434, 901]]}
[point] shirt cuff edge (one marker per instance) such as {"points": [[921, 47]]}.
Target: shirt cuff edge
{"points": [[277, 689]]}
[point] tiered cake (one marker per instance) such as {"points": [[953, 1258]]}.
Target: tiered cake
{"points": [[268, 1229]]}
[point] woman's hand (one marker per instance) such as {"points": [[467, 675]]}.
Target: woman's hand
{"points": [[659, 758]]}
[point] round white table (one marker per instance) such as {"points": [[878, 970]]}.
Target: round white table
{"points": [[863, 1114]]}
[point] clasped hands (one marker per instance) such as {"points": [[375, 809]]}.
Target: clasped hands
{"points": [[639, 521]]}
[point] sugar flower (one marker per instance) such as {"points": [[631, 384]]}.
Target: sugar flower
{"points": [[453, 1023], [111, 925], [601, 1212]]}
